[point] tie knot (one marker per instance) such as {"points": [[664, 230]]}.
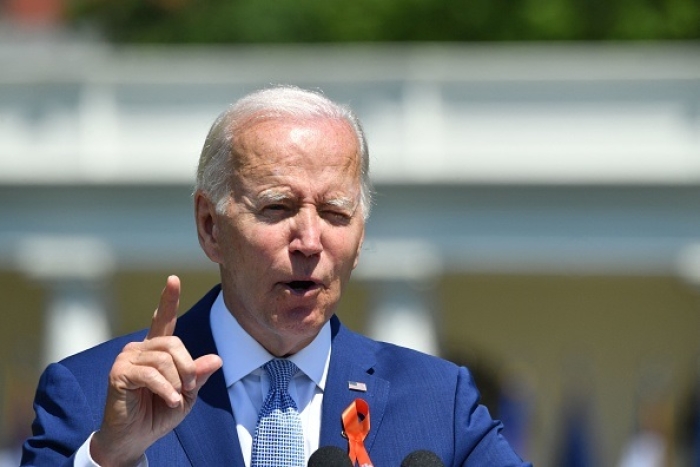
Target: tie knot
{"points": [[281, 372]]}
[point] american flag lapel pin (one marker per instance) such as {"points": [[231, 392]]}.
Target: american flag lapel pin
{"points": [[357, 386]]}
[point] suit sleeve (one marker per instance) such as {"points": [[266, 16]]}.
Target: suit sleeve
{"points": [[63, 420], [479, 441]]}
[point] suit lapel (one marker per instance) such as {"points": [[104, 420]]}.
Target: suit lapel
{"points": [[208, 434], [352, 360]]}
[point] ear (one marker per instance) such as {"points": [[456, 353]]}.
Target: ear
{"points": [[359, 248], [206, 218]]}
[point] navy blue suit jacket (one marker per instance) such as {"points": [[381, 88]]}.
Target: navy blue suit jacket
{"points": [[415, 401]]}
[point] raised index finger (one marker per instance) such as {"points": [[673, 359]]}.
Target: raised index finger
{"points": [[165, 316]]}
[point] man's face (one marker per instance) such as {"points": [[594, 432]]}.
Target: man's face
{"points": [[292, 233]]}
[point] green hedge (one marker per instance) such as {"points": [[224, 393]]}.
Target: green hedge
{"points": [[264, 21]]}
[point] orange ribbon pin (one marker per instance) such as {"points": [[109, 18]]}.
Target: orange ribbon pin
{"points": [[356, 426]]}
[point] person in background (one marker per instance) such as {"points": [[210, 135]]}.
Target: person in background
{"points": [[260, 372]]}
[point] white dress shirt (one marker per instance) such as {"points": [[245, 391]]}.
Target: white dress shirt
{"points": [[248, 384]]}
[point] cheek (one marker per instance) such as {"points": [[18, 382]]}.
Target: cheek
{"points": [[344, 250], [263, 241], [235, 244]]}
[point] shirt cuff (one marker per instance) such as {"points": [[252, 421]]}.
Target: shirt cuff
{"points": [[83, 459]]}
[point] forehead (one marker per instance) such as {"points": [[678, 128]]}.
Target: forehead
{"points": [[314, 146]]}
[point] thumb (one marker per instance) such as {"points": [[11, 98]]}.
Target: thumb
{"points": [[206, 366]]}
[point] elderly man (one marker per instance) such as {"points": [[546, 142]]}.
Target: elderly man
{"points": [[260, 372]]}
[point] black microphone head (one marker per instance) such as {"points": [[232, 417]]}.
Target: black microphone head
{"points": [[330, 456], [422, 458]]}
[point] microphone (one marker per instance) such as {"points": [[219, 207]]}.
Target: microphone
{"points": [[422, 458], [329, 456]]}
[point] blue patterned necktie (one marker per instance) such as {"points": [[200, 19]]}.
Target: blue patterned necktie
{"points": [[279, 438]]}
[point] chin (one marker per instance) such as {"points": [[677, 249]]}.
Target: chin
{"points": [[303, 323]]}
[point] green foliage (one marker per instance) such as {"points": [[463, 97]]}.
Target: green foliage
{"points": [[264, 21]]}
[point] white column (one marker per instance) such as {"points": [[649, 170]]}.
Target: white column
{"points": [[75, 271], [402, 314], [76, 317], [402, 275]]}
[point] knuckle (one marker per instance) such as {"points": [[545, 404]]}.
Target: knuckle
{"points": [[166, 343], [162, 359], [150, 374], [130, 347], [189, 367], [172, 342]]}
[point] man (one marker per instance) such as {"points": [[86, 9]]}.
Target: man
{"points": [[280, 205]]}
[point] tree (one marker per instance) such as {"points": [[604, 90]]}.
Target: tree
{"points": [[266, 21]]}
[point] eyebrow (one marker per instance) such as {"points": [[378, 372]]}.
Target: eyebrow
{"points": [[273, 195], [342, 203]]}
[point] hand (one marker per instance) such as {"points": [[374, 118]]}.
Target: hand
{"points": [[152, 387]]}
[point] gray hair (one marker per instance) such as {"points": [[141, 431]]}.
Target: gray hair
{"points": [[215, 168]]}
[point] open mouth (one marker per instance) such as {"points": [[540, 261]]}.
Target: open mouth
{"points": [[301, 286]]}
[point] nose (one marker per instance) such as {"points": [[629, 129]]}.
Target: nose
{"points": [[306, 233]]}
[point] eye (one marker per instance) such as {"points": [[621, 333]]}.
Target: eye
{"points": [[336, 217], [274, 212]]}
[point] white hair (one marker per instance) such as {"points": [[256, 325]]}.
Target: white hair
{"points": [[214, 171]]}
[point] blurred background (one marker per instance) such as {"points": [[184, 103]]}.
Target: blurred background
{"points": [[537, 175]]}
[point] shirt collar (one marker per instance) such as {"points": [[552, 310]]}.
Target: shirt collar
{"points": [[232, 341]]}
